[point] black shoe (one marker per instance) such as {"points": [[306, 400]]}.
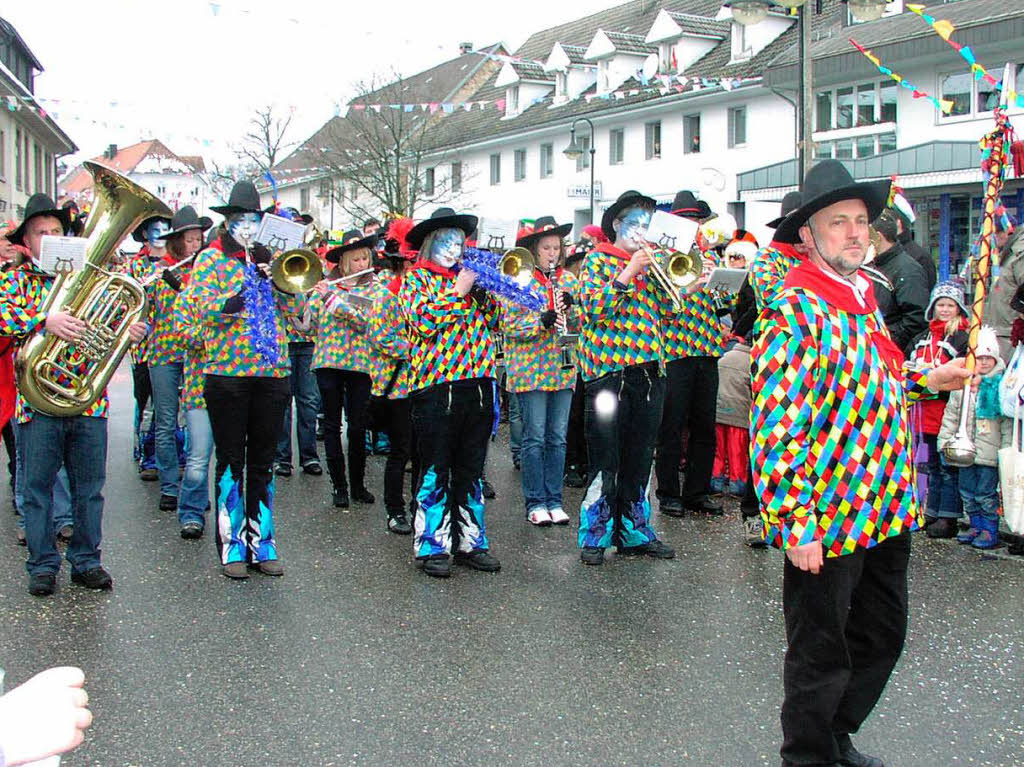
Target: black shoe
{"points": [[592, 555], [313, 468], [1015, 548], [340, 498], [574, 478], [191, 531], [96, 578], [362, 495], [42, 584], [487, 489], [671, 507], [706, 506], [283, 470], [943, 527], [437, 566], [478, 559], [851, 757], [168, 502], [655, 549], [517, 464], [399, 524], [149, 475]]}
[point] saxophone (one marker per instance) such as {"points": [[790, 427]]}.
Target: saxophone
{"points": [[108, 303]]}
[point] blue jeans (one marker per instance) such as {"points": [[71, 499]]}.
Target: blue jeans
{"points": [[195, 485], [61, 489], [307, 403], [515, 425], [166, 382], [545, 419], [979, 488], [943, 495], [80, 443]]}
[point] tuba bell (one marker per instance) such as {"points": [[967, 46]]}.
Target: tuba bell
{"points": [[518, 264], [296, 271], [107, 302]]}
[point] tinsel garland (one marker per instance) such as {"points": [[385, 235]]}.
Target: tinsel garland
{"points": [[484, 263], [259, 306]]}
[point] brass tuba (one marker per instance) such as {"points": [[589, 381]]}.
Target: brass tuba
{"points": [[107, 302], [518, 264], [674, 271], [296, 271]]}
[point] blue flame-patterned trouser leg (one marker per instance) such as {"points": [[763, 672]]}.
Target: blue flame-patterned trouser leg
{"points": [[245, 414], [451, 425], [621, 417]]}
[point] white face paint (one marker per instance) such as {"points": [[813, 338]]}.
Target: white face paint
{"points": [[154, 231], [633, 224], [243, 227], [447, 247]]}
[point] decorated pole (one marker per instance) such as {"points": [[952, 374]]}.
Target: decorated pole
{"points": [[961, 450]]}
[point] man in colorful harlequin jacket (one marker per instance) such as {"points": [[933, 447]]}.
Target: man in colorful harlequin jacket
{"points": [[831, 450]]}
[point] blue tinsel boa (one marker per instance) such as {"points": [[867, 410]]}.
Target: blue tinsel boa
{"points": [[262, 318], [484, 264]]}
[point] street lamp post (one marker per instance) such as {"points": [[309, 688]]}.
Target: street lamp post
{"points": [[574, 151]]}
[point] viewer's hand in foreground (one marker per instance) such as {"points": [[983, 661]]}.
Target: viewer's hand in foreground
{"points": [[44, 716], [807, 557], [949, 377]]}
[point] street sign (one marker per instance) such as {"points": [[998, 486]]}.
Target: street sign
{"points": [[583, 190]]}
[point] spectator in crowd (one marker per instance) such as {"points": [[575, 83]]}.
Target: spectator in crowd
{"points": [[905, 318], [732, 447], [999, 314], [905, 218]]}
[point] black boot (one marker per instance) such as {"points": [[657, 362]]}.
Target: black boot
{"points": [[339, 491]]}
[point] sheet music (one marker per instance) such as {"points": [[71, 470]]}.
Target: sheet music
{"points": [[279, 234], [671, 232], [62, 255], [497, 234]]}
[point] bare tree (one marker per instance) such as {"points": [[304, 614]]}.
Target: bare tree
{"points": [[263, 145], [222, 176]]}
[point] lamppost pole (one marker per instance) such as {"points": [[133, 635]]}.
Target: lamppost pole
{"points": [[806, 90], [575, 151]]}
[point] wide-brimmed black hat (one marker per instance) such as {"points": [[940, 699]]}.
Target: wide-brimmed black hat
{"points": [[243, 199], [543, 226], [825, 184], [353, 239], [627, 199], [39, 205], [790, 203], [185, 219], [442, 218], [687, 205]]}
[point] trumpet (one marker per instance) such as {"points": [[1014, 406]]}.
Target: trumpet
{"points": [[675, 271], [296, 271]]}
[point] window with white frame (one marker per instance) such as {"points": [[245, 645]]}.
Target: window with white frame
{"points": [[971, 97], [857, 147], [304, 198], [495, 169], [667, 57], [652, 140], [561, 86], [583, 161], [456, 181], [512, 101], [737, 126], [855, 106], [519, 165], [616, 146], [691, 134], [741, 48], [3, 156], [428, 182], [547, 160], [603, 83]]}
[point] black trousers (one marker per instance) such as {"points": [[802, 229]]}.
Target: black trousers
{"points": [[845, 628], [396, 422], [346, 390], [691, 402], [245, 418], [575, 436]]}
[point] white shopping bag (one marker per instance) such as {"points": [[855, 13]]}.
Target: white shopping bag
{"points": [[1012, 383], [1011, 478]]}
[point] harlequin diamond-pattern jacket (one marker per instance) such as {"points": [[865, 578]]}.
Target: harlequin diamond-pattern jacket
{"points": [[533, 356], [768, 272], [831, 439], [340, 335], [389, 337], [696, 330]]}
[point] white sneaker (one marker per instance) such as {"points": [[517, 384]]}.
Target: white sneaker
{"points": [[558, 516], [539, 516]]}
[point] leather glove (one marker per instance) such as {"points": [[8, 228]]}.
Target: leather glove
{"points": [[566, 300], [233, 305], [547, 319], [172, 279]]}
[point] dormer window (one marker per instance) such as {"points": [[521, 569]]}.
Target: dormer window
{"points": [[667, 58], [561, 87], [512, 101], [741, 48], [603, 83]]}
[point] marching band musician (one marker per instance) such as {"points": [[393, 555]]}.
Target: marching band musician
{"points": [[620, 361], [246, 386], [386, 330], [342, 362], [164, 356], [139, 267], [453, 394], [79, 443], [537, 376]]}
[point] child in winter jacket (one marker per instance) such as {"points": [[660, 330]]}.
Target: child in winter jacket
{"points": [[944, 339], [732, 430], [990, 430]]}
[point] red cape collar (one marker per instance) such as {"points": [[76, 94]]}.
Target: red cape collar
{"points": [[835, 291]]}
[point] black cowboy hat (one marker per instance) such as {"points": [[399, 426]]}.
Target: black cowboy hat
{"points": [[186, 219], [544, 226], [353, 239], [790, 203], [39, 205], [442, 218], [825, 184], [687, 205], [243, 199], [626, 200]]}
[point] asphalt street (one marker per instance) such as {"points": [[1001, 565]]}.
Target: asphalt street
{"points": [[355, 657]]}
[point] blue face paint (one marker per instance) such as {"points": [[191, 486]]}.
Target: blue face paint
{"points": [[243, 227], [154, 231], [447, 247], [634, 224]]}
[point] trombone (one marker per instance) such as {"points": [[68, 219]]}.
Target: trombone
{"points": [[675, 271]]}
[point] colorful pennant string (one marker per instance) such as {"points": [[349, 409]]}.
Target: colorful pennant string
{"points": [[943, 105]]}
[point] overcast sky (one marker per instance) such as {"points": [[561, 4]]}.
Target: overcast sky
{"points": [[191, 72]]}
